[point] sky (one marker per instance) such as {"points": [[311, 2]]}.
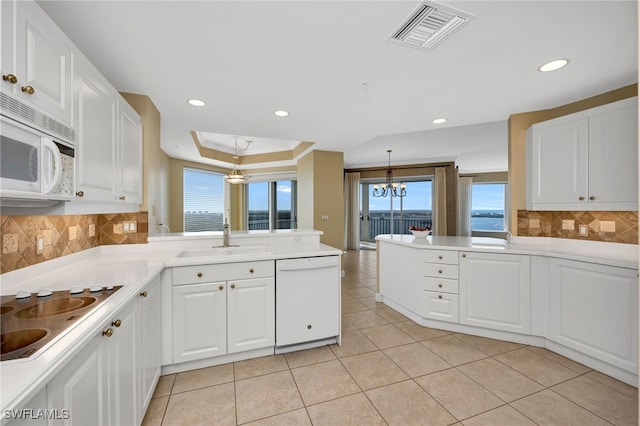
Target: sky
{"points": [[259, 195]]}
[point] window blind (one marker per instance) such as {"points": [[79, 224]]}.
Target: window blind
{"points": [[203, 203]]}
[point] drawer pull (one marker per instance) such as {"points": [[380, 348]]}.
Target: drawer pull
{"points": [[581, 198], [439, 271], [251, 270], [233, 286], [440, 285], [439, 296], [117, 323], [464, 255], [309, 327], [440, 257], [10, 78], [29, 90], [592, 198], [220, 287], [199, 274]]}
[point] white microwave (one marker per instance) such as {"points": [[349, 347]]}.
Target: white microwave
{"points": [[34, 166]]}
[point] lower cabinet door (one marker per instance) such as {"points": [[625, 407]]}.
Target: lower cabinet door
{"points": [[250, 314], [82, 387], [439, 306], [199, 321], [594, 309]]}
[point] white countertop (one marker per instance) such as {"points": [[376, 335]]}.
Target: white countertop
{"points": [[614, 254], [131, 266]]}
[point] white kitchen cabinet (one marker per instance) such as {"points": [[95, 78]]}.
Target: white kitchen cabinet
{"points": [[400, 275], [32, 408], [149, 322], [39, 56], [594, 310], [586, 160], [439, 285], [250, 314], [307, 299], [98, 386], [199, 321], [222, 309], [495, 291], [129, 149]]}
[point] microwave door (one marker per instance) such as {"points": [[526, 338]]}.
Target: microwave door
{"points": [[20, 164], [51, 166]]}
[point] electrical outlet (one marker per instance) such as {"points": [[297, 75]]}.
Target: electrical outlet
{"points": [[133, 226], [325, 217], [583, 230], [39, 244], [129, 226], [568, 225]]}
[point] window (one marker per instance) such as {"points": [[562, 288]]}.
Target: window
{"points": [[203, 200], [488, 206], [271, 205]]}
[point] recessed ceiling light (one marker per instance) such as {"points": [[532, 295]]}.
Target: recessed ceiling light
{"points": [[439, 121], [281, 113], [553, 65], [196, 102]]}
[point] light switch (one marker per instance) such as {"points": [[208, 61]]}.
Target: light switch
{"points": [[39, 244]]}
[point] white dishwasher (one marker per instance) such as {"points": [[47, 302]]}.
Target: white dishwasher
{"points": [[307, 299]]}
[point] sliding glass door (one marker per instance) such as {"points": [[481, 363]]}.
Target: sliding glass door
{"points": [[394, 215]]}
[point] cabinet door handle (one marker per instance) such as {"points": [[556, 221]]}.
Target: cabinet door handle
{"points": [[439, 271], [121, 198], [10, 78], [464, 255], [440, 257], [220, 287], [29, 90], [233, 286], [108, 332], [80, 194], [199, 274], [439, 296], [440, 285], [581, 198], [117, 323], [251, 270], [592, 198], [144, 293], [309, 327]]}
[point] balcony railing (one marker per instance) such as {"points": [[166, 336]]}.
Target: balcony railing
{"points": [[400, 226]]}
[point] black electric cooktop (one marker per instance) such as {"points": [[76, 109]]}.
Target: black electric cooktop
{"points": [[31, 320]]}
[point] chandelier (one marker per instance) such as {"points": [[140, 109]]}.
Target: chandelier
{"points": [[236, 175], [390, 187]]}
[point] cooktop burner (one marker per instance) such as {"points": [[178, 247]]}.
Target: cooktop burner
{"points": [[31, 320]]}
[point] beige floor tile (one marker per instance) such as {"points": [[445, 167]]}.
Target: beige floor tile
{"points": [[501, 416], [416, 360], [345, 296], [346, 326], [309, 356], [353, 410], [155, 411], [164, 386], [353, 343], [259, 366], [453, 350], [323, 382], [504, 382], [370, 302], [570, 364], [386, 336], [536, 367], [405, 403], [621, 387], [266, 396], [487, 345], [419, 332], [460, 395], [600, 399], [203, 377], [202, 406], [352, 305], [292, 418], [361, 292], [369, 282], [365, 319], [349, 284], [373, 369], [549, 408], [389, 314]]}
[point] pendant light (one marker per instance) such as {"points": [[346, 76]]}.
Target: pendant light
{"points": [[236, 175]]}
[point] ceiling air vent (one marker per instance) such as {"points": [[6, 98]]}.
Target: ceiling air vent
{"points": [[429, 25]]}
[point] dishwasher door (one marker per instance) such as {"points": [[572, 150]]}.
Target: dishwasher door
{"points": [[307, 299]]}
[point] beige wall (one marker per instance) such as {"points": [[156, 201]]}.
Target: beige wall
{"points": [[155, 175], [320, 193], [518, 125]]}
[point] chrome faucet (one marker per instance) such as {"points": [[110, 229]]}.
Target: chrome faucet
{"points": [[225, 234]]}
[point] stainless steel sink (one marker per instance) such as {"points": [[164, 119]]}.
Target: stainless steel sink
{"points": [[224, 251]]}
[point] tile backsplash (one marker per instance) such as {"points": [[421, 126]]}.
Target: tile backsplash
{"points": [[27, 240], [610, 226]]}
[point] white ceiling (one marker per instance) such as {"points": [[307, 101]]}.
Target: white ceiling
{"points": [[248, 59]]}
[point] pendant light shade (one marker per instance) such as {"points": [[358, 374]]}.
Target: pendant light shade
{"points": [[236, 175]]}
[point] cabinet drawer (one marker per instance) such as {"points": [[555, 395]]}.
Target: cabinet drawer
{"points": [[440, 256], [222, 272], [440, 271], [444, 285], [439, 306]]}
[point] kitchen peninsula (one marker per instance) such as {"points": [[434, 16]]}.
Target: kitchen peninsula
{"points": [[576, 298], [108, 362]]}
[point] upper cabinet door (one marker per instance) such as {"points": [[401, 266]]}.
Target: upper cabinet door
{"points": [[613, 157], [43, 58], [558, 163], [130, 153]]}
